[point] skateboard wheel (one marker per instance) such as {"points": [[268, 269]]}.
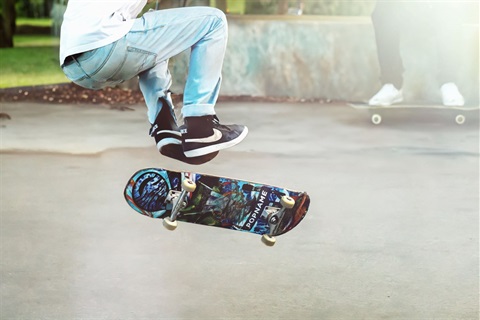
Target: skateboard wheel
{"points": [[268, 240], [287, 202], [169, 224], [188, 185], [376, 119], [460, 119]]}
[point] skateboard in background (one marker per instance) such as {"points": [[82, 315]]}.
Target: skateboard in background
{"points": [[377, 112]]}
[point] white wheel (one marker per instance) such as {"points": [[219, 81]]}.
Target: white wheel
{"points": [[287, 202], [188, 185], [268, 240], [376, 119], [169, 224], [460, 119]]}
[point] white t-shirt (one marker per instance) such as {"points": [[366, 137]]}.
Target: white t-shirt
{"points": [[91, 24]]}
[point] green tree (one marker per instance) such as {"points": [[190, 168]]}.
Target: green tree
{"points": [[35, 8]]}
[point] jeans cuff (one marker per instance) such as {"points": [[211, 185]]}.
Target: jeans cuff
{"points": [[198, 110]]}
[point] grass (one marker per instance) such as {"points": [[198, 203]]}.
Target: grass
{"points": [[39, 22], [32, 61], [36, 41]]}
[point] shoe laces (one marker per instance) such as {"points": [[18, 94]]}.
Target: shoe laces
{"points": [[153, 130], [217, 124]]}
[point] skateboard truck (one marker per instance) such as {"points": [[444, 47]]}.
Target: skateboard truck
{"points": [[179, 201], [274, 216]]}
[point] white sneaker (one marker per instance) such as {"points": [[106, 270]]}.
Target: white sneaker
{"points": [[451, 97], [387, 95]]}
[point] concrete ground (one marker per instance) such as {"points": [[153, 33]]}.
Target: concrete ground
{"points": [[392, 231]]}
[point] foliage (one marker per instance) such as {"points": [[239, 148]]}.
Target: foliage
{"points": [[261, 7], [40, 8], [339, 8], [34, 8], [313, 7], [36, 22]]}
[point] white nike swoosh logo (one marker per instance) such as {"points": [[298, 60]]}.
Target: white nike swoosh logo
{"points": [[217, 135]]}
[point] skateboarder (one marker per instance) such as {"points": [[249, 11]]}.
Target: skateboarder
{"points": [[390, 18], [103, 43]]}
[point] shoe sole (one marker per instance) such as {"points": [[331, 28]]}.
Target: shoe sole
{"points": [[175, 151], [216, 147], [397, 100], [175, 138]]}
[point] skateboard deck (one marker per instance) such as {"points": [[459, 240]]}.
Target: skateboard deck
{"points": [[216, 201], [376, 112]]}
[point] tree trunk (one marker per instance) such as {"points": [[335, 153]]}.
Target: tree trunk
{"points": [[222, 5], [47, 8], [28, 9], [282, 7], [7, 24]]}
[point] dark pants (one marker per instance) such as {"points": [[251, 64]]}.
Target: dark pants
{"points": [[442, 20]]}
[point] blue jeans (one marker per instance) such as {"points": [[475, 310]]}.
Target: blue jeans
{"points": [[145, 50]]}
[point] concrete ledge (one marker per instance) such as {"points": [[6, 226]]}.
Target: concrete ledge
{"points": [[327, 57]]}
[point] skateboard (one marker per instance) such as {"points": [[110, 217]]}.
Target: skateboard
{"points": [[376, 112], [216, 201]]}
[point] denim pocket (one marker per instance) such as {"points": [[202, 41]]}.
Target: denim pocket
{"points": [[102, 63], [109, 65], [88, 69], [135, 61], [73, 72]]}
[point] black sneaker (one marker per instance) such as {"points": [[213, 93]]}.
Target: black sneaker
{"points": [[169, 139], [204, 135]]}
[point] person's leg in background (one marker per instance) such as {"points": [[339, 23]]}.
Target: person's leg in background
{"points": [[448, 19], [388, 19]]}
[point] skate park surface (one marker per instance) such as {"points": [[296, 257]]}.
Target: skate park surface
{"points": [[392, 230]]}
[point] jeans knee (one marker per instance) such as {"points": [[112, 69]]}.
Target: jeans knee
{"points": [[218, 15], [215, 12]]}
